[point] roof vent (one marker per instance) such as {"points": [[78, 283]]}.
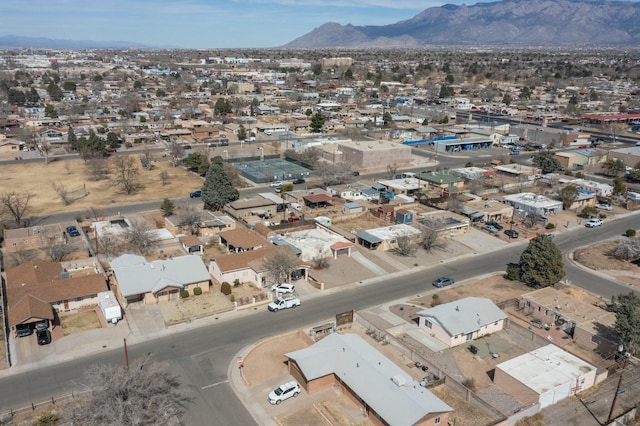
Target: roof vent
{"points": [[399, 380], [457, 309]]}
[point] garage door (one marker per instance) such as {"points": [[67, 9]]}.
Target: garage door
{"points": [[546, 398]]}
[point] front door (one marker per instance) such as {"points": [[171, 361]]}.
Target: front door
{"points": [[66, 305]]}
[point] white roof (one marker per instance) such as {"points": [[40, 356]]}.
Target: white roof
{"points": [[464, 315], [546, 368], [136, 275], [394, 231], [369, 374]]}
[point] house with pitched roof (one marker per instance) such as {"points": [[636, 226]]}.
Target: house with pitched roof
{"points": [[34, 237], [138, 280], [384, 392], [462, 320], [242, 239], [37, 289]]}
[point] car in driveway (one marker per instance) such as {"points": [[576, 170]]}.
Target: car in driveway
{"points": [[593, 222], [23, 330], [283, 288], [495, 225], [299, 180], [195, 194], [284, 391], [276, 184], [490, 229], [443, 282], [604, 206], [511, 233], [73, 231], [43, 336]]}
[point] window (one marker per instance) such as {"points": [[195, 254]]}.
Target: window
{"points": [[427, 323], [436, 420], [14, 244]]}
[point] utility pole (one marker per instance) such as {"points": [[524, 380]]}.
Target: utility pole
{"points": [[126, 354], [613, 403]]}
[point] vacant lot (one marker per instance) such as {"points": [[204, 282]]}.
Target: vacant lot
{"points": [[84, 191], [82, 321]]}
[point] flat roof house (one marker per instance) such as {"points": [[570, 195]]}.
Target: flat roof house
{"points": [[462, 320], [531, 203], [386, 394]]}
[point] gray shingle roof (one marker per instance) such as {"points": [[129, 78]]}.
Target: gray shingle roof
{"points": [[369, 374], [464, 315], [136, 275]]}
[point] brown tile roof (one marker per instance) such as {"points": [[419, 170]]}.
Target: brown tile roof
{"points": [[190, 241], [254, 258], [29, 307], [318, 198], [243, 238]]}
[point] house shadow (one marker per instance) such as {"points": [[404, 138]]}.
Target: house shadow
{"points": [[491, 374]]}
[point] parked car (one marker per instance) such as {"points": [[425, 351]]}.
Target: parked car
{"points": [[186, 146], [604, 205], [73, 231], [284, 391], [195, 194], [495, 225], [355, 173], [299, 180], [490, 229], [42, 324], [473, 349], [43, 336], [511, 233], [443, 282], [23, 330], [276, 184], [592, 223], [224, 142], [283, 288], [284, 301]]}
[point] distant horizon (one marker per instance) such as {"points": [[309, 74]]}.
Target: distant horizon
{"points": [[200, 24]]}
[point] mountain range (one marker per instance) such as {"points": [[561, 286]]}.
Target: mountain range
{"points": [[508, 23], [13, 41]]}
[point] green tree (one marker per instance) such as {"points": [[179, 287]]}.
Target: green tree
{"points": [[387, 119], [137, 85], [32, 96], [317, 122], [619, 186], [627, 325], [613, 167], [72, 139], [69, 86], [16, 97], [222, 107], [573, 100], [316, 69], [55, 93], [506, 99], [112, 140], [568, 195], [541, 262], [446, 91], [348, 74], [217, 189], [525, 93], [546, 162], [160, 93], [449, 79], [50, 111], [242, 133], [593, 95], [167, 207]]}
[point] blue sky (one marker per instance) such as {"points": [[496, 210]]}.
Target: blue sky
{"points": [[197, 23]]}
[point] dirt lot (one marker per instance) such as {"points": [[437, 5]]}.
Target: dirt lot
{"points": [[36, 178], [82, 321], [208, 303], [597, 257]]}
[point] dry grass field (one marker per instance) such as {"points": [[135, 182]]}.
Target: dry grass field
{"points": [[79, 322], [37, 179]]}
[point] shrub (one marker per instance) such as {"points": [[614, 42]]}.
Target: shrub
{"points": [[435, 300], [225, 288], [550, 226], [46, 420], [580, 175], [197, 291], [513, 272], [184, 294], [568, 173], [233, 298], [602, 216], [236, 282], [470, 383], [630, 232]]}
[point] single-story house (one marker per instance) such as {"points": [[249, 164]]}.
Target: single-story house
{"points": [[191, 244], [207, 227], [38, 288], [140, 280], [462, 320], [257, 206], [385, 393], [544, 376], [443, 183], [530, 203], [386, 238], [242, 239], [34, 237], [590, 326], [443, 222]]}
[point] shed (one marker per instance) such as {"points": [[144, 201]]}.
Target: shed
{"points": [[404, 216], [352, 208]]}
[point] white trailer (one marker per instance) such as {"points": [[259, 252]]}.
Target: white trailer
{"points": [[109, 306]]}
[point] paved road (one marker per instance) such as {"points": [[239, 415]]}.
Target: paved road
{"points": [[202, 356]]}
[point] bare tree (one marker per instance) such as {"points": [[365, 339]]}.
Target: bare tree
{"points": [[146, 393], [67, 167], [392, 169], [19, 257], [108, 244], [406, 245], [189, 216], [146, 158], [15, 205], [45, 148], [62, 192], [140, 236], [126, 169], [164, 177], [280, 264], [59, 252], [320, 261], [175, 152], [627, 249], [454, 203], [98, 168], [429, 238], [95, 213]]}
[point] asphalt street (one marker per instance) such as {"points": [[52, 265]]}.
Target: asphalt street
{"points": [[201, 356]]}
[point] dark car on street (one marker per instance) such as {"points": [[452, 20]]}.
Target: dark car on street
{"points": [[43, 336], [299, 180], [443, 282], [195, 194]]}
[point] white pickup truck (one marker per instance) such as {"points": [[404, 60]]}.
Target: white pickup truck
{"points": [[283, 302]]}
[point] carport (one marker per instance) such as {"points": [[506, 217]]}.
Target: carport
{"points": [[367, 240]]}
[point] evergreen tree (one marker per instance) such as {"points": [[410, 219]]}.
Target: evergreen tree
{"points": [[72, 139], [167, 207], [546, 162], [627, 325], [242, 133], [541, 262], [218, 189], [55, 93], [317, 122]]}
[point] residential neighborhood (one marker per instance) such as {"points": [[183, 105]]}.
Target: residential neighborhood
{"points": [[149, 195]]}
